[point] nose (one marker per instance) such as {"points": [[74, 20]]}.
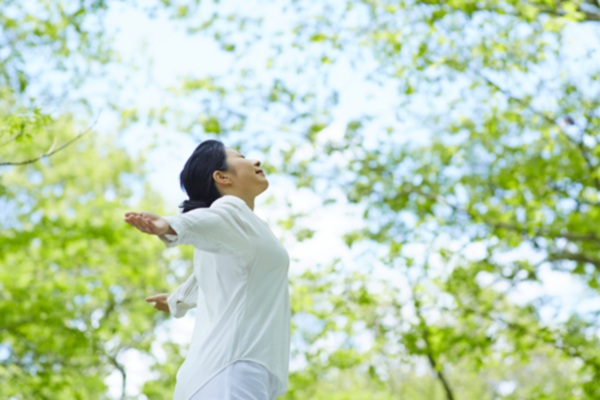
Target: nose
{"points": [[257, 163]]}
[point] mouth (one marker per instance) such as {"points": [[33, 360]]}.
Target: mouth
{"points": [[260, 172]]}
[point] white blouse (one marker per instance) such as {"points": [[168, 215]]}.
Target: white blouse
{"points": [[240, 287]]}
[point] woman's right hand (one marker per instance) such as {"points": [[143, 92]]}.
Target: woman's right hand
{"points": [[148, 223], [160, 301]]}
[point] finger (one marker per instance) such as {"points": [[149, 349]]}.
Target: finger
{"points": [[138, 226], [163, 307], [141, 225], [136, 218], [133, 223], [131, 218], [157, 297], [142, 221]]}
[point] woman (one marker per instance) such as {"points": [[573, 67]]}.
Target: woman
{"points": [[241, 337]]}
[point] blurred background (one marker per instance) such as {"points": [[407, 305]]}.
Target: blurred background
{"points": [[434, 170]]}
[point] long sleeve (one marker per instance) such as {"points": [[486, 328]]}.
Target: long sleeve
{"points": [[218, 229], [184, 297]]}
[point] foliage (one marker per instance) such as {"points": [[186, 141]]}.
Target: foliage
{"points": [[476, 173], [73, 276]]}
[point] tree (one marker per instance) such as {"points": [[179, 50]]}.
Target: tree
{"points": [[74, 277]]}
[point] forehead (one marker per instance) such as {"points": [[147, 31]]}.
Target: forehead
{"points": [[232, 152]]}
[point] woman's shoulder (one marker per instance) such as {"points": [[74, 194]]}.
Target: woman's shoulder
{"points": [[238, 211]]}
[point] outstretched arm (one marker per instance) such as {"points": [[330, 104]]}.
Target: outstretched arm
{"points": [[221, 228]]}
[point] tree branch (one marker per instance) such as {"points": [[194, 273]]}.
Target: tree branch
{"points": [[565, 193], [590, 11], [546, 335], [578, 257], [429, 350], [589, 237], [121, 369], [578, 144], [544, 232], [51, 150]]}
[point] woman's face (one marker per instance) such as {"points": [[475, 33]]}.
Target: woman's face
{"points": [[246, 176]]}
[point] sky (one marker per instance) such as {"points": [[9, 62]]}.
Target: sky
{"points": [[175, 54]]}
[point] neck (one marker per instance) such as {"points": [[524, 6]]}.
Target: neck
{"points": [[249, 200]]}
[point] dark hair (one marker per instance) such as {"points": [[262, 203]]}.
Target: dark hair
{"points": [[196, 177]]}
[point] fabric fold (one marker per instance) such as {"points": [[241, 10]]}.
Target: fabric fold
{"points": [[184, 298]]}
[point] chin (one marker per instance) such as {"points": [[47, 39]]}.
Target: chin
{"points": [[265, 186]]}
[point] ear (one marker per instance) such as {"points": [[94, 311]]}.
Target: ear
{"points": [[221, 178]]}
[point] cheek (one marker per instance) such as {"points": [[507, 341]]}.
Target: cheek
{"points": [[246, 172]]}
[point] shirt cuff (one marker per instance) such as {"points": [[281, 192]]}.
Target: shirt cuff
{"points": [[177, 307], [170, 239]]}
